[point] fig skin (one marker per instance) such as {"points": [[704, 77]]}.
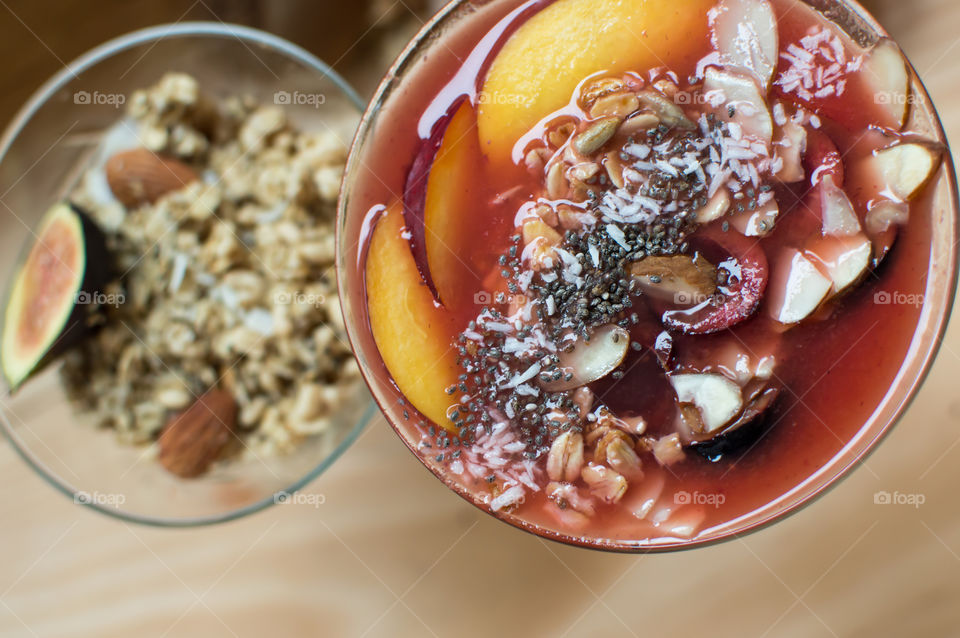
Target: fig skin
{"points": [[83, 318]]}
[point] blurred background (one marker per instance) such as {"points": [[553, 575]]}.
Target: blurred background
{"points": [[388, 551]]}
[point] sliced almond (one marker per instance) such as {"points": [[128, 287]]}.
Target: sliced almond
{"points": [[715, 208], [745, 36], [617, 104], [759, 222], [717, 398], [598, 89], [140, 176], [194, 439], [884, 214], [797, 288], [844, 259], [839, 218], [682, 279], [592, 360], [789, 146], [884, 70], [641, 122], [743, 103], [904, 169]]}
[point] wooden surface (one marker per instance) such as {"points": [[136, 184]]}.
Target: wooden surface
{"points": [[391, 552]]}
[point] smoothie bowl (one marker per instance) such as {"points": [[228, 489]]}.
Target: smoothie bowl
{"points": [[641, 275]]}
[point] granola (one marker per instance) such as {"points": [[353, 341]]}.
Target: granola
{"points": [[227, 282]]}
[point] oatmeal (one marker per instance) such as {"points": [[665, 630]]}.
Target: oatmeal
{"points": [[227, 280]]}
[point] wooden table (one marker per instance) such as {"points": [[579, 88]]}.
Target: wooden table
{"points": [[413, 559]]}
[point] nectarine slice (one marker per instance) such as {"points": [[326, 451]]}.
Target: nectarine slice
{"points": [[413, 334], [542, 63], [440, 185]]}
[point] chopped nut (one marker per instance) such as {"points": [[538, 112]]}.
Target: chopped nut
{"points": [[583, 171], [548, 215], [597, 89], [556, 183], [641, 122], [560, 135], [614, 168], [536, 230], [618, 104]]}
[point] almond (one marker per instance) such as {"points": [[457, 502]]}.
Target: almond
{"points": [[141, 176], [192, 440]]}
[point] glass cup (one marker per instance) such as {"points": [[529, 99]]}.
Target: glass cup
{"points": [[941, 282], [42, 155]]}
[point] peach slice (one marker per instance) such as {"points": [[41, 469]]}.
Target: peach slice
{"points": [[540, 66], [412, 333], [439, 184]]}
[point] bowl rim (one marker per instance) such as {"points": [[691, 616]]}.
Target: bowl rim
{"points": [[37, 100], [842, 463]]}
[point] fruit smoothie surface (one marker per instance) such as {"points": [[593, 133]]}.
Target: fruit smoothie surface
{"points": [[634, 269]]}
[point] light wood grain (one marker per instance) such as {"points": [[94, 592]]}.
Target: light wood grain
{"points": [[393, 553]]}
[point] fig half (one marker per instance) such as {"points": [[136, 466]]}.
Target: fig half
{"points": [[55, 294]]}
